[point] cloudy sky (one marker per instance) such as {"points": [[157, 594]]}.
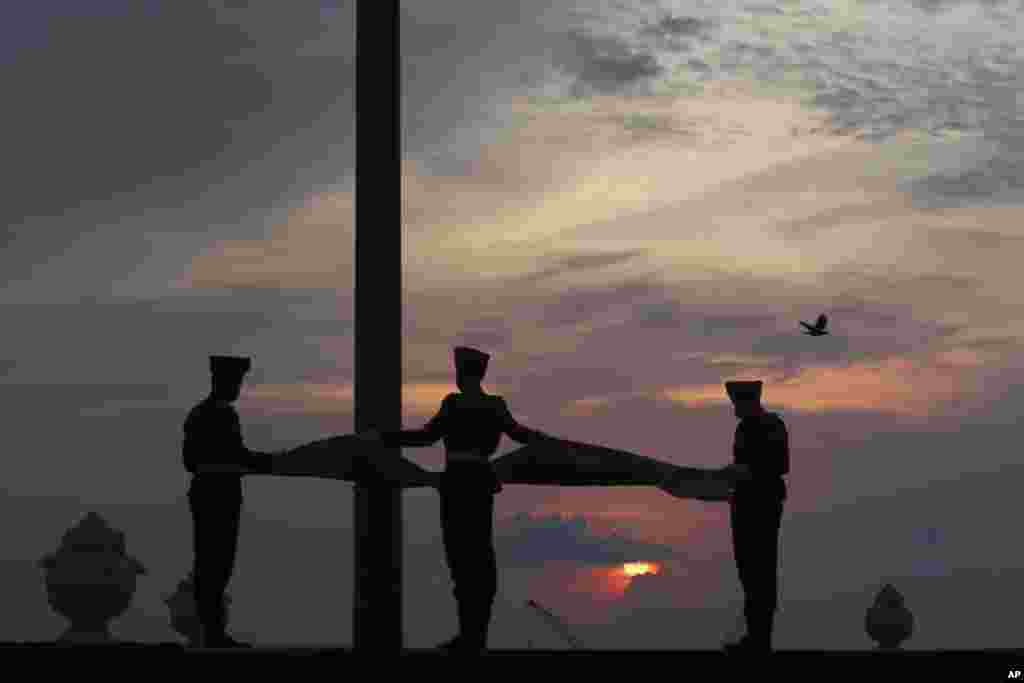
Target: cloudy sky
{"points": [[625, 203]]}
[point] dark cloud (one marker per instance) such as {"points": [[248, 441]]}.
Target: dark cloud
{"points": [[937, 6], [864, 79], [582, 262], [458, 58], [83, 88], [578, 306], [875, 296], [523, 541], [763, 9], [790, 351], [131, 109], [657, 316], [698, 65], [255, 113], [754, 52], [989, 180], [172, 98], [671, 314], [606, 64], [677, 26], [715, 325]]}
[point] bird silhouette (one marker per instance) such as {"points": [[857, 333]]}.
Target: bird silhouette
{"points": [[818, 329]]}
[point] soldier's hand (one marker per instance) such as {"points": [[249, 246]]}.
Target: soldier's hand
{"points": [[735, 472], [717, 498], [369, 435]]}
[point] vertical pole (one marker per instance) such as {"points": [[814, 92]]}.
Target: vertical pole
{"points": [[377, 607]]}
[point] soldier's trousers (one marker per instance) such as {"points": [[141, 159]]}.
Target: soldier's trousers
{"points": [[755, 534], [215, 525], [467, 525]]}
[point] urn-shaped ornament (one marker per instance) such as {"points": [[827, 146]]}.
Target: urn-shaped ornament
{"points": [[888, 622], [184, 615], [90, 581]]}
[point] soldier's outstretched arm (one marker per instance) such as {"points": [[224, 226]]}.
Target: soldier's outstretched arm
{"points": [[430, 434], [736, 473], [518, 432]]}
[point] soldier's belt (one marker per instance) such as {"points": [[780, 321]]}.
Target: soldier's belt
{"points": [[466, 456]]}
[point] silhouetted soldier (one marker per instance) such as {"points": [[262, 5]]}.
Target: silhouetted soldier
{"points": [[760, 460], [217, 459], [471, 423]]}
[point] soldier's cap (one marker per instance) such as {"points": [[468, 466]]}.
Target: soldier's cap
{"points": [[229, 365], [744, 391], [471, 361]]}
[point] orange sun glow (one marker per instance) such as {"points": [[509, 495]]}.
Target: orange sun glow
{"points": [[632, 569]]}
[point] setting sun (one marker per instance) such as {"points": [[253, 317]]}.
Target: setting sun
{"points": [[638, 568]]}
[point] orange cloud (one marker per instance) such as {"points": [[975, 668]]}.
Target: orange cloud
{"points": [[609, 583], [532, 190], [600, 584], [897, 385], [590, 406], [312, 247]]}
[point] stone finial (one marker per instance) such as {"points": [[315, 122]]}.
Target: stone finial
{"points": [[90, 580], [888, 621]]}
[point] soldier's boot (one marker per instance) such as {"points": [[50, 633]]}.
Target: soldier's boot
{"points": [[214, 631], [479, 624], [200, 637], [211, 626], [450, 644], [473, 627], [760, 634], [464, 609], [758, 639]]}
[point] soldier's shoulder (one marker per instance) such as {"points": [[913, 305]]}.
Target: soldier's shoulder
{"points": [[775, 422], [215, 409], [199, 409]]}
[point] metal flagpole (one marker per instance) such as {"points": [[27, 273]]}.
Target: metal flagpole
{"points": [[377, 605]]}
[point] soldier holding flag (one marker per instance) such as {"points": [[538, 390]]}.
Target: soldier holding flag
{"points": [[760, 460], [215, 456], [471, 423]]}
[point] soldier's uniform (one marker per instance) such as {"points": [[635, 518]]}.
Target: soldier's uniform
{"points": [[762, 444], [471, 427], [213, 436]]}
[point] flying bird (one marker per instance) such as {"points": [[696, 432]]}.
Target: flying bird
{"points": [[818, 329]]}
